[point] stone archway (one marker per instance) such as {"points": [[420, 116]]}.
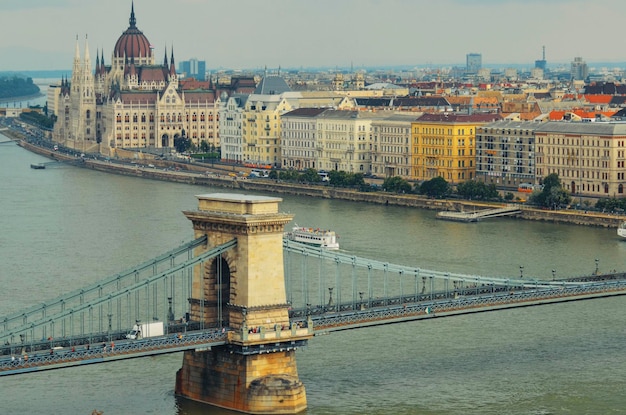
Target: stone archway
{"points": [[217, 282], [165, 140]]}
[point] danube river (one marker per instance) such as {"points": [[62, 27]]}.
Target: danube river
{"points": [[64, 227]]}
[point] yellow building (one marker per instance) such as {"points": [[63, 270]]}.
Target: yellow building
{"points": [[444, 145]]}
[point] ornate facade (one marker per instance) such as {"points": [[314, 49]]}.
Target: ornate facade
{"points": [[135, 103]]}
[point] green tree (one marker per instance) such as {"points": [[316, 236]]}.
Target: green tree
{"points": [[396, 184], [552, 195], [310, 176], [182, 144], [477, 190], [437, 187]]}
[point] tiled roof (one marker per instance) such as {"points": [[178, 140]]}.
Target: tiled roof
{"points": [[460, 118], [609, 88], [272, 85], [138, 97], [558, 115], [151, 73], [192, 83], [305, 112], [598, 99], [199, 97], [591, 128]]}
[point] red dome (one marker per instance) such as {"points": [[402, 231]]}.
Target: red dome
{"points": [[133, 43]]}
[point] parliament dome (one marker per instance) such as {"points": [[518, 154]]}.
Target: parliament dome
{"points": [[132, 43]]}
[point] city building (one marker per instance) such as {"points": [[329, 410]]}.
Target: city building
{"points": [[541, 63], [327, 139], [135, 102], [505, 153], [193, 68], [444, 145], [474, 62], [230, 122], [392, 152], [579, 70], [589, 157]]}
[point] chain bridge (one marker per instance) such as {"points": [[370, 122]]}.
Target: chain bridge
{"points": [[327, 291], [198, 294]]}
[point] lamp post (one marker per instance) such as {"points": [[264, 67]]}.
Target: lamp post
{"points": [[521, 271], [553, 274], [597, 265]]}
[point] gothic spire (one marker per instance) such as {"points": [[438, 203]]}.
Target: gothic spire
{"points": [[132, 21], [172, 66], [97, 62], [165, 58]]}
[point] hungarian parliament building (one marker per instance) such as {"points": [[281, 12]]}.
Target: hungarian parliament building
{"points": [[136, 102]]}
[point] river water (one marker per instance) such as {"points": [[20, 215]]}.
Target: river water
{"points": [[64, 227]]}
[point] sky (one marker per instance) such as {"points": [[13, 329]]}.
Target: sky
{"points": [[253, 34]]}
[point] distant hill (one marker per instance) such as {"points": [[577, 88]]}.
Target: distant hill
{"points": [[57, 74], [16, 86]]}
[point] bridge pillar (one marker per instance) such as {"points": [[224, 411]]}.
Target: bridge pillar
{"points": [[243, 291]]}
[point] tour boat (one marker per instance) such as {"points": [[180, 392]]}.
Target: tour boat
{"points": [[313, 236], [621, 230]]}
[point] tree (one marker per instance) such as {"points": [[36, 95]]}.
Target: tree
{"points": [[437, 187], [396, 184], [477, 190], [552, 195], [182, 144], [310, 176]]}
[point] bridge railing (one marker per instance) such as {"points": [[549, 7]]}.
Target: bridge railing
{"points": [[318, 279], [148, 297], [99, 289]]}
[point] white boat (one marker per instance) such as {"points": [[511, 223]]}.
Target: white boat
{"points": [[621, 230], [313, 236]]}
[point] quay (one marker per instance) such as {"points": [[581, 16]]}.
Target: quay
{"points": [[198, 174], [481, 214]]}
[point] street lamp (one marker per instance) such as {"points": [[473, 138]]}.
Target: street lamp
{"points": [[521, 271], [553, 274], [597, 263]]}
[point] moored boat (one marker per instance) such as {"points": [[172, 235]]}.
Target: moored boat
{"points": [[621, 230], [38, 166], [313, 236]]}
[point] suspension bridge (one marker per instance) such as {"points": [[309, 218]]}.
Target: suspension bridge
{"points": [[240, 289]]}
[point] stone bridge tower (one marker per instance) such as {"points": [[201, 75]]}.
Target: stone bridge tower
{"points": [[243, 290]]}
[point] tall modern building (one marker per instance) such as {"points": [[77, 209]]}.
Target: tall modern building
{"points": [[193, 68], [541, 63], [474, 62], [579, 70]]}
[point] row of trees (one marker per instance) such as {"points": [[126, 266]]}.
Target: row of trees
{"points": [[311, 176], [37, 119], [552, 195]]}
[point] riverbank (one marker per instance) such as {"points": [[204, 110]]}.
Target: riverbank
{"points": [[24, 98], [195, 174]]}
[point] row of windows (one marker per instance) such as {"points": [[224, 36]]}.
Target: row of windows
{"points": [[164, 117]]}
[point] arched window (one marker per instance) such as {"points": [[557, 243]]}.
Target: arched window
{"points": [[118, 118], [620, 189]]}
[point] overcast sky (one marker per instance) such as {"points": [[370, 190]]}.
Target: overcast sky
{"points": [[240, 34]]}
